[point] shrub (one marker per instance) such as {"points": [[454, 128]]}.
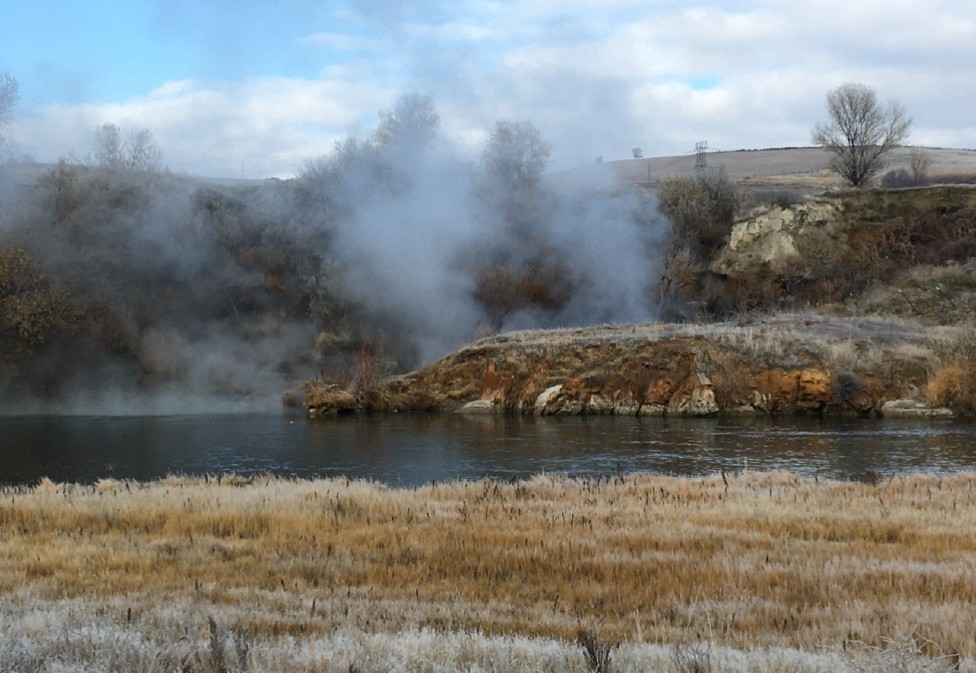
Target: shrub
{"points": [[543, 283], [910, 654], [897, 178], [954, 386], [701, 210], [692, 657], [596, 653]]}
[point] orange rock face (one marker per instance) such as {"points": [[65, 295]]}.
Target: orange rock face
{"points": [[813, 389], [496, 385]]}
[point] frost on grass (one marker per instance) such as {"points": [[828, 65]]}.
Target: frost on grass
{"points": [[336, 575], [75, 636]]}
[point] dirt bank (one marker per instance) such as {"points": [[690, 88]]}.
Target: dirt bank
{"points": [[792, 363]]}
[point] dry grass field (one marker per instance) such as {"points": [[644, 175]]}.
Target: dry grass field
{"points": [[761, 571], [789, 166]]}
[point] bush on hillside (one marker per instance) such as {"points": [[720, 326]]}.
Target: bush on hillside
{"points": [[954, 386], [701, 211], [897, 178]]}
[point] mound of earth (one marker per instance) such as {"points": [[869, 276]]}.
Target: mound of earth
{"points": [[789, 364]]}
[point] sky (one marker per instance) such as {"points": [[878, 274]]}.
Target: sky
{"points": [[258, 88]]}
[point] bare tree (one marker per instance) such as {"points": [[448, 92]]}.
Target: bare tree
{"points": [[920, 163], [516, 154], [108, 146], [413, 120], [860, 132], [9, 95], [138, 152], [144, 151]]}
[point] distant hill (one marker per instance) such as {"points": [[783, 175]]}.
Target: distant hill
{"points": [[795, 168]]}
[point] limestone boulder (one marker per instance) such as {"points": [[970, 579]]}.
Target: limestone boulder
{"points": [[694, 397], [773, 235]]}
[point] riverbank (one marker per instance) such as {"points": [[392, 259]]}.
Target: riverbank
{"points": [[771, 570], [787, 363]]}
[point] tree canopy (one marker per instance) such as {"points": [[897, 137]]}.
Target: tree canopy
{"points": [[860, 132], [516, 154]]}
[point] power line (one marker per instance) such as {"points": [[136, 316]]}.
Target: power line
{"points": [[701, 152]]}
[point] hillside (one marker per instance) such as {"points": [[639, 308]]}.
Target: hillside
{"points": [[844, 303], [175, 293], [801, 168]]}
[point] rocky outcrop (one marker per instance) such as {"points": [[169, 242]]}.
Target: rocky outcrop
{"points": [[820, 366], [772, 234], [775, 390], [909, 408], [683, 392], [694, 395]]}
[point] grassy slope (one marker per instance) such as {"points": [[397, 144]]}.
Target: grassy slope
{"points": [[764, 560]]}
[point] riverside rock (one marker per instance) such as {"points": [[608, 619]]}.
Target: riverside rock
{"points": [[781, 365]]}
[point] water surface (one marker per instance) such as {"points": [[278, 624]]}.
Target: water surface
{"points": [[408, 450]]}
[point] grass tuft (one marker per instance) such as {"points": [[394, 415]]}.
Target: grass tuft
{"points": [[595, 653]]}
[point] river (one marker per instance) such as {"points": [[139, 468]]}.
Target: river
{"points": [[409, 450]]}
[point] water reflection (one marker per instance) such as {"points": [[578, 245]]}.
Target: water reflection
{"points": [[416, 449]]}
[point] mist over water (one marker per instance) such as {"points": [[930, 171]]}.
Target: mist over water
{"points": [[146, 292]]}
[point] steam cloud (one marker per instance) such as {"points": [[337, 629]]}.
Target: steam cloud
{"points": [[193, 296]]}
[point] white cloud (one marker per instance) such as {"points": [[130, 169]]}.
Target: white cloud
{"points": [[341, 41], [597, 78], [261, 126]]}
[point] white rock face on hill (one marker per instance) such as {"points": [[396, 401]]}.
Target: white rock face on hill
{"points": [[771, 234]]}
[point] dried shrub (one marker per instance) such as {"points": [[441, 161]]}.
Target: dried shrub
{"points": [[595, 653], [897, 178], [908, 654], [954, 386], [368, 366], [701, 210], [32, 308], [758, 287], [543, 283], [693, 657], [218, 659], [957, 343], [683, 270]]}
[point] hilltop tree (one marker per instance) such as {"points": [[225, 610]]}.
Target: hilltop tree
{"points": [[515, 155], [9, 95], [860, 132], [137, 152], [413, 121]]}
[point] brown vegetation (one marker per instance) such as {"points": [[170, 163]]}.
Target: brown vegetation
{"points": [[744, 560], [32, 308]]}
